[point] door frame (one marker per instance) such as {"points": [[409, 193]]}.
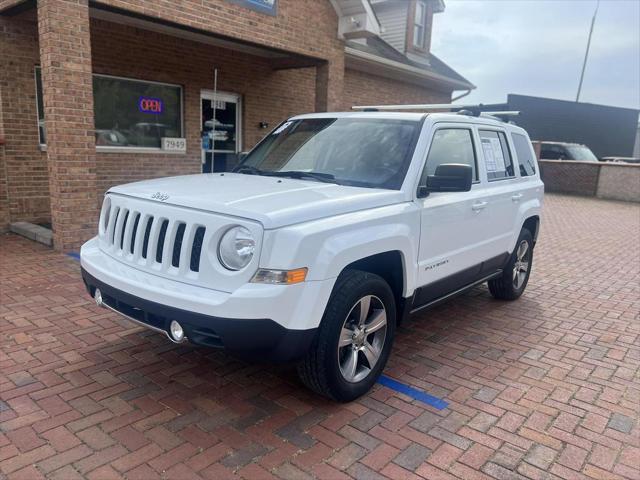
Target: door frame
{"points": [[207, 94]]}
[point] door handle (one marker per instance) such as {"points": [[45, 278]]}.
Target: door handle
{"points": [[516, 197], [476, 207]]}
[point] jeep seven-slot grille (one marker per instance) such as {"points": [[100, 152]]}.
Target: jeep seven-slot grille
{"points": [[132, 233]]}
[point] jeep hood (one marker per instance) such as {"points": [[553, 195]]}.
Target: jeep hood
{"points": [[273, 201]]}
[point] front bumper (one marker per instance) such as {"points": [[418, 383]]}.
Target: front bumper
{"points": [[254, 322]]}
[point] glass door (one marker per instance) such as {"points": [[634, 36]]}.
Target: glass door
{"points": [[221, 137]]}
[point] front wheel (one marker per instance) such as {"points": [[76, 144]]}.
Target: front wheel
{"points": [[354, 338], [514, 280]]}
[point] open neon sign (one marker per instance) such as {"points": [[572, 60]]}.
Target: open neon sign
{"points": [[150, 105]]}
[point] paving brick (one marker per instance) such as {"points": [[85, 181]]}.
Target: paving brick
{"points": [[290, 472], [540, 456], [482, 421], [61, 439], [356, 436], [347, 456], [243, 456], [486, 394], [603, 457], [66, 473], [426, 421], [380, 457], [324, 471], [476, 456], [20, 461], [569, 413], [104, 473], [573, 457], [621, 423], [362, 472], [444, 456], [100, 458], [510, 422], [136, 458], [95, 438], [25, 439], [367, 421], [412, 457], [67, 457]]}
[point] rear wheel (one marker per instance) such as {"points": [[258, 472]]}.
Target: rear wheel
{"points": [[354, 338], [514, 280]]}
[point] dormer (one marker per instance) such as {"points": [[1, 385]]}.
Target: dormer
{"points": [[406, 25]]}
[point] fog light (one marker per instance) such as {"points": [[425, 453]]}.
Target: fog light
{"points": [[97, 296], [177, 333]]}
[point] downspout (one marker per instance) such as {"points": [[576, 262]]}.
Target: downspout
{"points": [[461, 96]]}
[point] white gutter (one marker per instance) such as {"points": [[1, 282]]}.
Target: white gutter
{"points": [[356, 19], [406, 69]]}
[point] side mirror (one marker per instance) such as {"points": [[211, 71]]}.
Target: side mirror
{"points": [[449, 177]]}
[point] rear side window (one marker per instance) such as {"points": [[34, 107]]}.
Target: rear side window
{"points": [[524, 155], [450, 145], [497, 156], [553, 152]]}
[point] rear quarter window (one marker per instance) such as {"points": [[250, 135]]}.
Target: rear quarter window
{"points": [[524, 154], [497, 157]]}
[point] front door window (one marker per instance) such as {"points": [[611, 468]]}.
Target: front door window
{"points": [[220, 135]]}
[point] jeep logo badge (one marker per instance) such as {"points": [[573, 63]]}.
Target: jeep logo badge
{"points": [[160, 196]]}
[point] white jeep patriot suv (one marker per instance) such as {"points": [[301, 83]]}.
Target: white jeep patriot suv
{"points": [[330, 232]]}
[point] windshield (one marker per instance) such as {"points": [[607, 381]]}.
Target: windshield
{"points": [[350, 151], [582, 153]]}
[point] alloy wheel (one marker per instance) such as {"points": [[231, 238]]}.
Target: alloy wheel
{"points": [[362, 338], [521, 265]]}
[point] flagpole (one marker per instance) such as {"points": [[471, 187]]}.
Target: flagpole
{"points": [[586, 54]]}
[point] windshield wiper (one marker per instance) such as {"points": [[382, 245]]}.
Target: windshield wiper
{"points": [[248, 169], [319, 176]]}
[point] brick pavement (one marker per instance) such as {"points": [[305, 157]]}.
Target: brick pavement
{"points": [[545, 387]]}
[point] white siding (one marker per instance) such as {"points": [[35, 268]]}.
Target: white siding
{"points": [[393, 19]]}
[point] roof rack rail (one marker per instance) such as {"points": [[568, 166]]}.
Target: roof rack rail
{"points": [[428, 106], [474, 110]]}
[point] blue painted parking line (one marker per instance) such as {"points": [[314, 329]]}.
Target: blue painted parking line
{"points": [[74, 255], [435, 402]]}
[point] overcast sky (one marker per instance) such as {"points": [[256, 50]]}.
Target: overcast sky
{"points": [[537, 48]]}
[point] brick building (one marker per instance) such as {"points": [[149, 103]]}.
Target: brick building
{"points": [[89, 89]]}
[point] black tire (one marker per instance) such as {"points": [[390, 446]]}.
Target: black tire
{"points": [[506, 287], [320, 370]]}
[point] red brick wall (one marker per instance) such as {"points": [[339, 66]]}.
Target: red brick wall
{"points": [[65, 58], [267, 95], [304, 26], [23, 165], [4, 195], [365, 89]]}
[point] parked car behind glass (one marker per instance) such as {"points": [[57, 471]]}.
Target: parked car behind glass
{"points": [[566, 151]]}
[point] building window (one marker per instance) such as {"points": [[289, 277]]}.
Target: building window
{"points": [[42, 134], [420, 24], [128, 113], [134, 113]]}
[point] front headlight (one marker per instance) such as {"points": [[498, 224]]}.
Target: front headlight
{"points": [[236, 248]]}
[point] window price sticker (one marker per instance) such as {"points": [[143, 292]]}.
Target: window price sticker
{"points": [[174, 144]]}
